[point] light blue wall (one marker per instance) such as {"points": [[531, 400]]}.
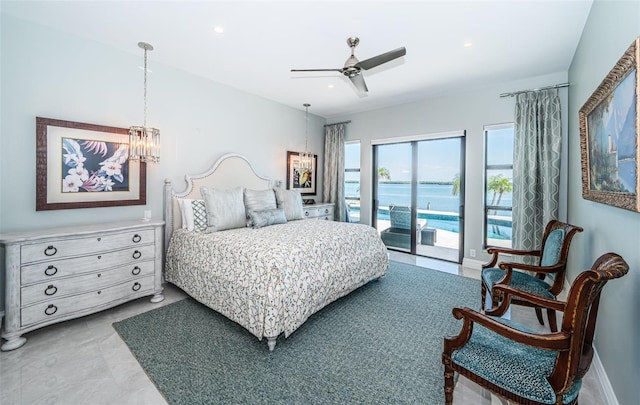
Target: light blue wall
{"points": [[610, 29], [52, 74], [467, 110]]}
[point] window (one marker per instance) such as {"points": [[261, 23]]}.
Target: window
{"points": [[498, 180], [352, 180]]}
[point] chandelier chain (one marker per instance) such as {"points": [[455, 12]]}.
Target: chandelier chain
{"points": [[144, 122]]}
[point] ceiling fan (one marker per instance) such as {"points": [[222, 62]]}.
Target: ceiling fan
{"points": [[353, 67]]}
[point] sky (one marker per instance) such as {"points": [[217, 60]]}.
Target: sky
{"points": [[438, 159]]}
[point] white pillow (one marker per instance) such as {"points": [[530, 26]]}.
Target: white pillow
{"points": [[186, 213], [291, 202], [225, 208]]}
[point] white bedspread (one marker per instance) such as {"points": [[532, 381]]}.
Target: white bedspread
{"points": [[271, 279]]}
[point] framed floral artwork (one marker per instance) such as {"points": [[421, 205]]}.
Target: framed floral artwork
{"points": [[610, 136], [303, 180], [81, 165]]}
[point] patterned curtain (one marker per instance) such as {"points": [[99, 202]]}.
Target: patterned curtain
{"points": [[333, 176], [536, 167]]}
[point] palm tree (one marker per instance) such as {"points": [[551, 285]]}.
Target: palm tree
{"points": [[456, 184], [499, 185], [383, 173]]}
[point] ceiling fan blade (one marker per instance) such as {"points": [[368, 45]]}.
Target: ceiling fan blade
{"points": [[358, 81], [316, 70], [382, 58]]}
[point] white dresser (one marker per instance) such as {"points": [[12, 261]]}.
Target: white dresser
{"points": [[58, 274], [321, 210]]}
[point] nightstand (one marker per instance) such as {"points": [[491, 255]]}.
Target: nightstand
{"points": [[322, 210]]}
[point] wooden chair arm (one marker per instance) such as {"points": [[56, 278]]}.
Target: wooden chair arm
{"points": [[551, 341], [532, 268], [506, 293], [496, 251]]}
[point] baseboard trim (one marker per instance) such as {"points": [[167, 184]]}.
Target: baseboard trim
{"points": [[472, 264], [603, 380]]}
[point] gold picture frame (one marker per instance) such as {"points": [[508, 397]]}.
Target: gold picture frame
{"points": [[609, 136]]}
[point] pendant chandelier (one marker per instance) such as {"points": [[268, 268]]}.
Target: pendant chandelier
{"points": [[305, 159], [144, 142]]}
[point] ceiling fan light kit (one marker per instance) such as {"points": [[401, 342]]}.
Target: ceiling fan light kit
{"points": [[353, 67]]}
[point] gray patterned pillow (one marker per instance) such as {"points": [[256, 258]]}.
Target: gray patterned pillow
{"points": [[291, 202], [258, 219], [259, 200], [199, 215], [225, 208]]}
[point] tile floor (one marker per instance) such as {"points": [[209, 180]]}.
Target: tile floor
{"points": [[84, 361]]}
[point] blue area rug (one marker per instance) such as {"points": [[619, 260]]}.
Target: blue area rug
{"points": [[381, 344]]}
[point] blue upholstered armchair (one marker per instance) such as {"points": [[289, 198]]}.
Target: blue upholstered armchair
{"points": [[544, 279], [520, 365]]}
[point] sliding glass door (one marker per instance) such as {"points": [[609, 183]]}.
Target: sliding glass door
{"points": [[418, 191]]}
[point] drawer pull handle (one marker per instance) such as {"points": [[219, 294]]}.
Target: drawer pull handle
{"points": [[50, 251], [137, 254], [99, 292], [52, 289], [306, 213], [99, 274], [136, 286], [99, 239], [99, 257], [136, 238], [136, 270], [326, 211], [51, 270], [51, 309]]}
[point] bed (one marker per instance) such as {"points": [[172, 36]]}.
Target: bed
{"points": [[269, 279]]}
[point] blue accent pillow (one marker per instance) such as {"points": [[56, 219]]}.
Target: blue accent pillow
{"points": [[552, 248], [258, 219]]}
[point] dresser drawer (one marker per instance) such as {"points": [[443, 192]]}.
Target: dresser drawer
{"points": [[321, 212], [55, 269], [56, 308], [79, 246], [62, 287]]}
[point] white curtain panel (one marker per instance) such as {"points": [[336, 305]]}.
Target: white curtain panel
{"points": [[536, 168], [333, 175]]}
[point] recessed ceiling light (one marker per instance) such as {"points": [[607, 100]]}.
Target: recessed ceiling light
{"points": [[331, 86], [218, 30], [468, 44]]}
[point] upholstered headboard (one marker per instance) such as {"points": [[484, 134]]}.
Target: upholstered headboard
{"points": [[229, 171]]}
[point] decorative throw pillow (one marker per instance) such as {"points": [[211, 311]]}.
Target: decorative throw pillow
{"points": [[291, 202], [258, 219], [199, 215], [225, 208], [259, 200], [194, 215]]}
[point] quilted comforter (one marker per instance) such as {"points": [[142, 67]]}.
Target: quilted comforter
{"points": [[271, 279]]}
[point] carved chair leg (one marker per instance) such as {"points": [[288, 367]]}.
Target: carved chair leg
{"points": [[448, 385], [553, 323], [539, 315], [484, 297]]}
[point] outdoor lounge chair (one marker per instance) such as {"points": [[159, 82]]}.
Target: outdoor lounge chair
{"points": [[399, 234]]}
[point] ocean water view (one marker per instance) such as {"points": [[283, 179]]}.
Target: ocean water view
{"points": [[436, 203], [432, 197]]}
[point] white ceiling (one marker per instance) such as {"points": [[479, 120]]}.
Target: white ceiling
{"points": [[263, 40]]}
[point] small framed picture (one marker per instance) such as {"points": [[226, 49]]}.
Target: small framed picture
{"points": [[299, 178]]}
